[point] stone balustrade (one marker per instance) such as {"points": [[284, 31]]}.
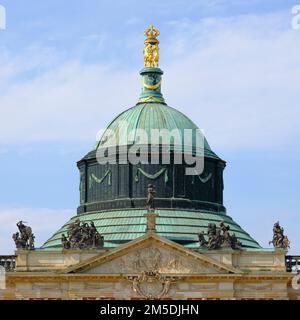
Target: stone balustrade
{"points": [[8, 262]]}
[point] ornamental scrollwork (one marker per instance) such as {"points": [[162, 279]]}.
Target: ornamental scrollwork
{"points": [[152, 285]]}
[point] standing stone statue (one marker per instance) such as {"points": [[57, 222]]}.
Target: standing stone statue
{"points": [[24, 239], [93, 234], [226, 237], [228, 240], [279, 239], [20, 244], [150, 198], [235, 244], [202, 241], [214, 237], [31, 242]]}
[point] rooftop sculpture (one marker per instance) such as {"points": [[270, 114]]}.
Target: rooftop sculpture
{"points": [[151, 49], [151, 197], [24, 239], [82, 236], [279, 239], [219, 238]]}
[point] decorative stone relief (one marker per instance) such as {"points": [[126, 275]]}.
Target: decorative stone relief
{"points": [[152, 259], [152, 285]]}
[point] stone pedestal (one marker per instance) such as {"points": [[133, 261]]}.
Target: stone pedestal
{"points": [[151, 222]]}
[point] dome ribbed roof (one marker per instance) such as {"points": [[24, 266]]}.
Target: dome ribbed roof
{"points": [[183, 226], [149, 116]]}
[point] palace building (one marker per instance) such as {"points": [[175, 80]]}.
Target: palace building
{"points": [[146, 229]]}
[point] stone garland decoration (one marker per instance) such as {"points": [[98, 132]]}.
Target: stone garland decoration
{"points": [[152, 176], [206, 179], [94, 178]]}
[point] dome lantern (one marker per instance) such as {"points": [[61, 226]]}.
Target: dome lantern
{"points": [[151, 73]]}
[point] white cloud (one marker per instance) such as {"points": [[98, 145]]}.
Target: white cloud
{"points": [[44, 223], [69, 103], [241, 83], [237, 78]]}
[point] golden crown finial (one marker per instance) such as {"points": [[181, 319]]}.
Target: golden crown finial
{"points": [[152, 32], [151, 49]]}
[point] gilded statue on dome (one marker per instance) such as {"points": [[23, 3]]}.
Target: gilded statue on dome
{"points": [[151, 49]]}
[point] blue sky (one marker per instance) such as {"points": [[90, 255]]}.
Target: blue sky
{"points": [[232, 66]]}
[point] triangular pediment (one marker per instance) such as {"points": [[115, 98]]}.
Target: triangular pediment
{"points": [[151, 253]]}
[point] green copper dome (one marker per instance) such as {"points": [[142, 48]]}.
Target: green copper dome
{"points": [[149, 116], [113, 194]]}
